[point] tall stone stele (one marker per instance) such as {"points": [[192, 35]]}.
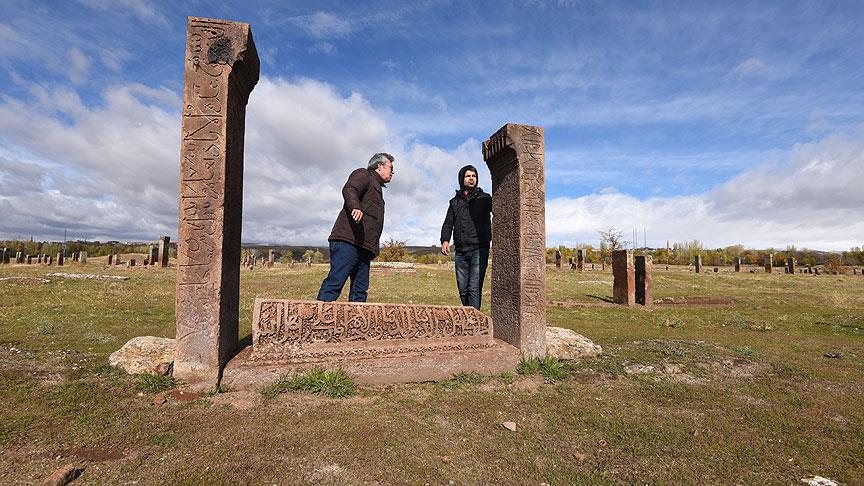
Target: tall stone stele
{"points": [[162, 258], [769, 263], [515, 157], [580, 260], [623, 278], [737, 264], [220, 72], [697, 263], [644, 280], [790, 265]]}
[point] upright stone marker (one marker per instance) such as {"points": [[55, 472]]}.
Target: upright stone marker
{"points": [[82, 257], [790, 265], [769, 262], [623, 278], [60, 258], [737, 264], [515, 157], [580, 260], [697, 262], [271, 257], [110, 259], [220, 72], [558, 259], [163, 251], [152, 254], [644, 281]]}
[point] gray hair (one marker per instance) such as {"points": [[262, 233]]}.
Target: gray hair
{"points": [[380, 158]]}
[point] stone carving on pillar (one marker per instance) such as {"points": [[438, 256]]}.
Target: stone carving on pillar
{"points": [[623, 278], [515, 157], [301, 331], [162, 258], [221, 69], [644, 280], [769, 263]]}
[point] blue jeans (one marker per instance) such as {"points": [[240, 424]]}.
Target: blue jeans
{"points": [[470, 272], [346, 261]]}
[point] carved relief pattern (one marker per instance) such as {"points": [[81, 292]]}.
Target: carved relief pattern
{"points": [[533, 204], [299, 323]]}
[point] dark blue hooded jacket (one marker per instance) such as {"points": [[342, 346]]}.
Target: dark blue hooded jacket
{"points": [[468, 217]]}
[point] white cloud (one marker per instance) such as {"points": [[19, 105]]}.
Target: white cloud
{"points": [[79, 66], [812, 199], [750, 66], [111, 171], [324, 25]]}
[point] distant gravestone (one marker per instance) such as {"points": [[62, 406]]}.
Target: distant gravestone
{"points": [[790, 265], [50, 259], [697, 263], [60, 258], [146, 261], [29, 259], [221, 69], [580, 260], [271, 257], [769, 263], [110, 259], [623, 278], [39, 258], [558, 259], [644, 281], [515, 156], [716, 269], [131, 262], [737, 264], [152, 255], [82, 257], [572, 263], [164, 245]]}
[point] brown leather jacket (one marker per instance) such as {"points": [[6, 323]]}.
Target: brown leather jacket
{"points": [[363, 192]]}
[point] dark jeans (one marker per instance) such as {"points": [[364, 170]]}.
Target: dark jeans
{"points": [[470, 272], [346, 260]]}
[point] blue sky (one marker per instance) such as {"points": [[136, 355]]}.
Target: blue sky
{"points": [[728, 122]]}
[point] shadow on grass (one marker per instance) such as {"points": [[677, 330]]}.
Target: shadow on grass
{"points": [[603, 298]]}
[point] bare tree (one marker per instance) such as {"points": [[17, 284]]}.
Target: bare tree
{"points": [[613, 238]]}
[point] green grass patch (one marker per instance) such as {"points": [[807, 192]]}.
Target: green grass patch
{"points": [[154, 383], [464, 379], [329, 383], [549, 367]]}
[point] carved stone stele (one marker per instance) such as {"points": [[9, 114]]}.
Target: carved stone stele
{"points": [[515, 157], [644, 280], [624, 278], [294, 331], [221, 69], [162, 258]]}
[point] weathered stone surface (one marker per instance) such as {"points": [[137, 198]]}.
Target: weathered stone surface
{"points": [[60, 258], [697, 263], [515, 157], [769, 263], [164, 245], [737, 264], [221, 69], [82, 257], [557, 258], [511, 426], [790, 265], [580, 260], [64, 475], [292, 331], [152, 255], [623, 278], [144, 354], [565, 344], [644, 279], [110, 259]]}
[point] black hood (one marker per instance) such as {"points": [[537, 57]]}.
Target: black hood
{"points": [[462, 172]]}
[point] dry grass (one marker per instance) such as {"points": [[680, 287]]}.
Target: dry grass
{"points": [[741, 393]]}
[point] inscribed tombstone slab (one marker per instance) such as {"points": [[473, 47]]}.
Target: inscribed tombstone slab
{"points": [[790, 265], [769, 262], [697, 262], [644, 280], [580, 260], [737, 264], [221, 69], [623, 278], [291, 331], [515, 157]]}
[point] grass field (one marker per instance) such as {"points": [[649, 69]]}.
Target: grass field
{"points": [[737, 393]]}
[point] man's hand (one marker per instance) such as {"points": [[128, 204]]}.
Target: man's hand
{"points": [[445, 248], [357, 215]]}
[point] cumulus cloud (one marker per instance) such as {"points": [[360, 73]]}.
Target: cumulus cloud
{"points": [[111, 171], [810, 198]]}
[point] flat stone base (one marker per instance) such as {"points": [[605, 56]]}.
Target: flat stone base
{"points": [[244, 373]]}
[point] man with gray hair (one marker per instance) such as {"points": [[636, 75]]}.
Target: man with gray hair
{"points": [[356, 235]]}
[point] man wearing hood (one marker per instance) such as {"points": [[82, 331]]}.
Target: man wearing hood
{"points": [[468, 221]]}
